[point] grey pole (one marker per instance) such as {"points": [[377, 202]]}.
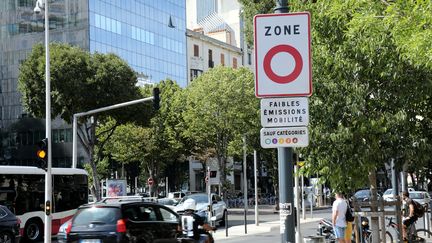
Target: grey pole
{"points": [[256, 188], [77, 115], [286, 195], [285, 166], [303, 199], [43, 4], [297, 203], [245, 184], [396, 196]]}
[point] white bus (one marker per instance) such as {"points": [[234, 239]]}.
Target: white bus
{"points": [[22, 189]]}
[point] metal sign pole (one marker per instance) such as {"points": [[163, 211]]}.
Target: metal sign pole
{"points": [[285, 166], [286, 195]]}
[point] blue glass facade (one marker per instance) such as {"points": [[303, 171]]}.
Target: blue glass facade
{"points": [[148, 34]]}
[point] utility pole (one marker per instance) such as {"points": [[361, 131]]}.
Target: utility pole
{"points": [[285, 167]]}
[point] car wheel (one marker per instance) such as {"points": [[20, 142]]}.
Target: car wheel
{"points": [[6, 237], [222, 222], [33, 230]]}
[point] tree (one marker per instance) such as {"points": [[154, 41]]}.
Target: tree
{"points": [[220, 110], [80, 82], [368, 93], [152, 148]]}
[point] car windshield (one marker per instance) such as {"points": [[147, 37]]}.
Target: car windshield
{"points": [[416, 195], [166, 201], [199, 198], [388, 191], [362, 193], [94, 215]]}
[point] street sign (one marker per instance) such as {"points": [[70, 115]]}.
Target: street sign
{"points": [[284, 137], [150, 181], [284, 112], [282, 55]]}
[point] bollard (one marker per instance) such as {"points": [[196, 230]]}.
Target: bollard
{"points": [[226, 224]]}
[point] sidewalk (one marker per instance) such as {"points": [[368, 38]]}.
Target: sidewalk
{"points": [[263, 227], [266, 209], [252, 229]]}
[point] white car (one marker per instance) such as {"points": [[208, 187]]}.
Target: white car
{"points": [[388, 195], [219, 209], [420, 196]]}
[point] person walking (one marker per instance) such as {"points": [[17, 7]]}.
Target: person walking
{"points": [[338, 218]]}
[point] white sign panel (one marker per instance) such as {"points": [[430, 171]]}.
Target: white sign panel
{"points": [[284, 137], [283, 55], [284, 112]]}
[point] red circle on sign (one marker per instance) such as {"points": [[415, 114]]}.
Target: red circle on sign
{"points": [[150, 181], [297, 68], [206, 179]]}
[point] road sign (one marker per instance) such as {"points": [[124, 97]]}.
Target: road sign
{"points": [[284, 137], [150, 181], [284, 112], [282, 55]]}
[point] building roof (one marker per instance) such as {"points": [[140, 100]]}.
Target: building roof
{"points": [[203, 37]]}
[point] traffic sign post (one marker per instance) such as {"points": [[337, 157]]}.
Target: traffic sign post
{"points": [[150, 181], [283, 68]]}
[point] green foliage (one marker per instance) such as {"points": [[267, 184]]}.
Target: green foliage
{"points": [[252, 8], [371, 78], [79, 81], [220, 109]]}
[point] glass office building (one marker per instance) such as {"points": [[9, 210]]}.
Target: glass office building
{"points": [[148, 34]]}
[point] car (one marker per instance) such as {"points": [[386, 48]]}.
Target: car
{"points": [[118, 220], [61, 235], [219, 208], [9, 226], [364, 195], [420, 196], [169, 202], [388, 195], [176, 195]]}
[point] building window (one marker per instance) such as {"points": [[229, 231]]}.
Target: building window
{"points": [[210, 58], [222, 59], [196, 51], [234, 62], [249, 58], [195, 73]]}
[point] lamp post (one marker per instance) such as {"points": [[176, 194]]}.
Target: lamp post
{"points": [[43, 4]]}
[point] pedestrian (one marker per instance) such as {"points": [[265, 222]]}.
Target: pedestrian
{"points": [[349, 227], [410, 216], [338, 218]]}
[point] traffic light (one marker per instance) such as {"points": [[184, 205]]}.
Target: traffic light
{"points": [[42, 154], [156, 98]]}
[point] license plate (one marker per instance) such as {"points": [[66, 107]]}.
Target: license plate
{"points": [[90, 241]]}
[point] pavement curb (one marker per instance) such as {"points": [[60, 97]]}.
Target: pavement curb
{"points": [[252, 229], [267, 210]]}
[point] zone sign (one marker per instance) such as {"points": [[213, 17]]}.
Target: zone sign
{"points": [[283, 55]]}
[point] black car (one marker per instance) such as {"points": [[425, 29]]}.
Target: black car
{"points": [[123, 221], [9, 226]]}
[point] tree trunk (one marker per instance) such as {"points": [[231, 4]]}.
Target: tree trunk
{"points": [[223, 179], [96, 181], [374, 206]]}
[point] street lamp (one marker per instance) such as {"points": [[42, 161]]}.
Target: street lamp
{"points": [[43, 5]]}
